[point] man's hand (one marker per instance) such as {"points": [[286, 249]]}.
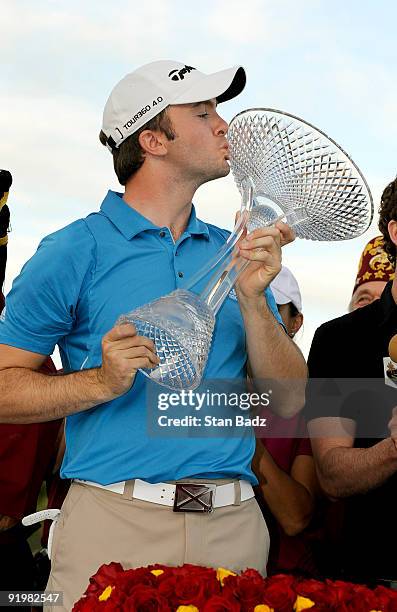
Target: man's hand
{"points": [[392, 425], [123, 353], [262, 248]]}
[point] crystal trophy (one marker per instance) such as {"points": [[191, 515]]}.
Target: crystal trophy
{"points": [[284, 168]]}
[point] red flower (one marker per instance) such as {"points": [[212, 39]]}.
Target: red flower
{"points": [[115, 602], [189, 585], [275, 597], [166, 570], [252, 574], [195, 591], [93, 603], [343, 590], [166, 588], [144, 598], [195, 571], [363, 600], [160, 566], [248, 589], [280, 593], [220, 603], [129, 578], [106, 575], [322, 594]]}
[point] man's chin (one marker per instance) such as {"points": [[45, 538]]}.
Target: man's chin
{"points": [[213, 174], [224, 170]]}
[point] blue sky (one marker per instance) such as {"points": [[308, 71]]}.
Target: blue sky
{"points": [[332, 64]]}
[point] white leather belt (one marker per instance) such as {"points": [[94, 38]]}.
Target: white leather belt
{"points": [[164, 494]]}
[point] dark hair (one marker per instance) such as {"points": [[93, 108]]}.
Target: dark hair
{"points": [[293, 311], [129, 156], [388, 212]]}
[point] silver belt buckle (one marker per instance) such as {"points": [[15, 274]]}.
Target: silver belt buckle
{"points": [[194, 497]]}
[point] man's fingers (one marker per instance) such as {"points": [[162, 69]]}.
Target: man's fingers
{"points": [[137, 352], [129, 342], [262, 232], [125, 330], [264, 243], [125, 336], [286, 232], [142, 363], [262, 248]]}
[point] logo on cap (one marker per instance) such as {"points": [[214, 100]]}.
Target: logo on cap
{"points": [[179, 75]]}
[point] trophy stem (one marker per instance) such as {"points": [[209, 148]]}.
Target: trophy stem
{"points": [[226, 250], [224, 280]]}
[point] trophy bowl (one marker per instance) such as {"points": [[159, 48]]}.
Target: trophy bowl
{"points": [[301, 172]]}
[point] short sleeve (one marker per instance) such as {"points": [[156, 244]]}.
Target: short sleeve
{"points": [[40, 308], [325, 396], [304, 447]]}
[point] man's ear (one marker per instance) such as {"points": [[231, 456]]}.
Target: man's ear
{"points": [[297, 322], [392, 229], [153, 142]]}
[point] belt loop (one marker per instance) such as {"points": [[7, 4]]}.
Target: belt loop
{"points": [[237, 493], [129, 489]]}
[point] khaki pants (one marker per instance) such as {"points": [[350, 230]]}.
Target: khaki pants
{"points": [[98, 526]]}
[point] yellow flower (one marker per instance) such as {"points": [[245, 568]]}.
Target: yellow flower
{"points": [[303, 603], [263, 608], [222, 573], [106, 593], [187, 609], [157, 572]]}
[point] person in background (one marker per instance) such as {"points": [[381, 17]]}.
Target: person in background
{"points": [[354, 433], [374, 272], [27, 453], [284, 465], [288, 298]]}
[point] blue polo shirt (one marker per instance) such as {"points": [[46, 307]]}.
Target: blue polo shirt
{"points": [[72, 291]]}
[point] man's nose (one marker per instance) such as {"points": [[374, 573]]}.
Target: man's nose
{"points": [[221, 127]]}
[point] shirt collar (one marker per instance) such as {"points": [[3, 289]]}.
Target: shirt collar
{"points": [[131, 223]]}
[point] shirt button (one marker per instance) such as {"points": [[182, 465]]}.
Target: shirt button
{"points": [[162, 234], [180, 274]]}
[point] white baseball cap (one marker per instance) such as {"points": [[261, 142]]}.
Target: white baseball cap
{"points": [[285, 289], [144, 93]]}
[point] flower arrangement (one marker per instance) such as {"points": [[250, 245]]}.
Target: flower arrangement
{"points": [[191, 588]]}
